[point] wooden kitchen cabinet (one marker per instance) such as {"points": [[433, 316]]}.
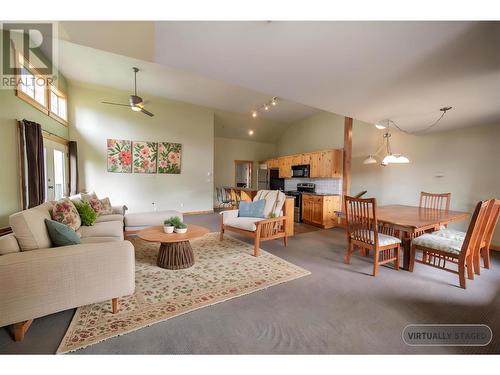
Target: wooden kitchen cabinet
{"points": [[326, 164], [285, 166], [272, 163], [319, 210], [296, 160]]}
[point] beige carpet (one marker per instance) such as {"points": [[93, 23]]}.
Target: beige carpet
{"points": [[222, 270]]}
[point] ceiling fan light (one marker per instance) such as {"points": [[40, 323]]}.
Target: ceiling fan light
{"points": [[400, 159], [136, 108], [370, 160], [380, 126]]}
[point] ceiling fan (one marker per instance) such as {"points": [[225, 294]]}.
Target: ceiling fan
{"points": [[135, 103]]}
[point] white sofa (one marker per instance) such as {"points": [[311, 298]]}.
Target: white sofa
{"points": [[38, 279]]}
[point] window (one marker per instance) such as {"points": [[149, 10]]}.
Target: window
{"points": [[32, 87], [58, 105]]}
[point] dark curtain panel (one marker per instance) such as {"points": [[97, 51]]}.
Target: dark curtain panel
{"points": [[73, 167], [35, 176]]}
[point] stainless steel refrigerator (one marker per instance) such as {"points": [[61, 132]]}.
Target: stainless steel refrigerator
{"points": [[268, 179]]}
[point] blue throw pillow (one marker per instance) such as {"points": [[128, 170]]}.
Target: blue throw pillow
{"points": [[61, 234], [252, 209]]}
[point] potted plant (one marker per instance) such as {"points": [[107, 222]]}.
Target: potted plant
{"points": [[180, 227], [168, 226]]}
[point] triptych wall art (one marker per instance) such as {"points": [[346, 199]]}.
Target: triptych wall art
{"points": [[143, 157]]}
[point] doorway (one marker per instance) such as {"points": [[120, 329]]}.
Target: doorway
{"points": [[56, 169], [243, 173]]}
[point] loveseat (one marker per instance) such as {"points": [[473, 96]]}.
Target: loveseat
{"points": [[38, 279]]}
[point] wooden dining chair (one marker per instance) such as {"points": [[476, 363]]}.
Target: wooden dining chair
{"points": [[362, 231], [438, 251], [435, 201], [489, 229]]}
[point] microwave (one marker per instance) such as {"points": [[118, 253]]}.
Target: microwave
{"points": [[300, 171]]}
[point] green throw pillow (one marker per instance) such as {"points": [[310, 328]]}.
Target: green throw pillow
{"points": [[86, 212], [61, 234]]}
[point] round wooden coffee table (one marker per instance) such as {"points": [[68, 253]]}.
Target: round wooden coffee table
{"points": [[175, 250]]}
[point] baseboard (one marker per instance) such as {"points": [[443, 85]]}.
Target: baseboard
{"points": [[198, 212], [495, 247]]}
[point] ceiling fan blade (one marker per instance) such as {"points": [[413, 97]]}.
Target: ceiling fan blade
{"points": [[123, 105], [145, 111]]}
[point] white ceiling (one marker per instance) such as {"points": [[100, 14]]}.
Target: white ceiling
{"points": [[85, 64], [371, 71]]}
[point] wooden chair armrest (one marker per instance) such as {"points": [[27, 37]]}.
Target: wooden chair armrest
{"points": [[272, 220]]}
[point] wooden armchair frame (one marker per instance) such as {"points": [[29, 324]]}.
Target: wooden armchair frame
{"points": [[491, 221], [464, 260], [267, 229], [361, 220]]}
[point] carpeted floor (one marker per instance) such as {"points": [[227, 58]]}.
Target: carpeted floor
{"points": [[337, 309]]}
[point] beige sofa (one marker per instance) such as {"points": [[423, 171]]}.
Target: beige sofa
{"points": [[38, 279]]}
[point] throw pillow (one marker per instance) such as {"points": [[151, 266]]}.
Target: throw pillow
{"points": [[64, 211], [86, 197], [61, 234], [107, 209], [252, 209], [87, 213], [96, 205]]}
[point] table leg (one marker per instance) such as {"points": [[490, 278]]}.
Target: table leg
{"points": [[175, 255], [406, 245]]}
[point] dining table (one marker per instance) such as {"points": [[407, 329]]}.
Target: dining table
{"points": [[410, 222]]}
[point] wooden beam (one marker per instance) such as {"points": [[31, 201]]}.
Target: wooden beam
{"points": [[346, 174]]}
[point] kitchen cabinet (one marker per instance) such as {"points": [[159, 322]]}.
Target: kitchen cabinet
{"points": [[272, 163], [285, 166], [319, 210], [296, 159]]}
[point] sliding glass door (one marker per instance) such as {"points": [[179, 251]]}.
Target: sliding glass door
{"points": [[56, 170]]}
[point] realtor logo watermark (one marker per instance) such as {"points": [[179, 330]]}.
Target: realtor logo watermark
{"points": [[27, 53], [447, 335]]}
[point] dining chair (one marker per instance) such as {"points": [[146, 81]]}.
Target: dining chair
{"points": [[436, 201], [362, 231], [222, 197], [437, 250]]}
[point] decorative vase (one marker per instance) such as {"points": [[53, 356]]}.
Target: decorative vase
{"points": [[168, 229], [180, 230]]}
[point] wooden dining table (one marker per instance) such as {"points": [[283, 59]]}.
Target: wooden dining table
{"points": [[410, 222]]}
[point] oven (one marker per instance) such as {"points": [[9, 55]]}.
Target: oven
{"points": [[306, 187]]}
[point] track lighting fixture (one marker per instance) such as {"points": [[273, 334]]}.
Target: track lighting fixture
{"points": [[266, 106]]}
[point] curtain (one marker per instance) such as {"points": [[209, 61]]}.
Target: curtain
{"points": [[73, 167], [32, 163]]}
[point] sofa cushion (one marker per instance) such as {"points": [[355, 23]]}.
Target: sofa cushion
{"points": [[252, 209], [29, 227], [245, 223], [275, 200], [112, 217], [438, 243], [103, 229], [99, 239], [61, 234], [8, 244], [65, 212]]}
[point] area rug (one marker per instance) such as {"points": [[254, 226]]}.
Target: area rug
{"points": [[222, 270]]}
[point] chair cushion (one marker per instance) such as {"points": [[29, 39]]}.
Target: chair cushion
{"points": [[245, 223], [439, 243], [65, 212], [252, 209], [30, 229], [61, 234], [8, 244], [383, 239], [451, 234], [275, 200], [103, 229]]}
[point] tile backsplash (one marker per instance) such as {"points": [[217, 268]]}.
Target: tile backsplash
{"points": [[323, 185]]}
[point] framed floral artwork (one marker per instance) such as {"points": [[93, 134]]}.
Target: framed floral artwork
{"points": [[169, 157], [145, 154], [119, 156]]}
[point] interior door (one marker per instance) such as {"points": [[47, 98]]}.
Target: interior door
{"points": [[56, 170]]}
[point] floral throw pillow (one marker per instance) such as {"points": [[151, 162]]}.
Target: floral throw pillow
{"points": [[65, 212], [107, 209], [96, 205]]}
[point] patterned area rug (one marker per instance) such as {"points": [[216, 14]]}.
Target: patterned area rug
{"points": [[222, 270]]}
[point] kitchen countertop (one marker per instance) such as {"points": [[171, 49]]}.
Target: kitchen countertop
{"points": [[323, 194]]}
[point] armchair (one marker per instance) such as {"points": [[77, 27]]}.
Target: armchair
{"points": [[279, 211]]}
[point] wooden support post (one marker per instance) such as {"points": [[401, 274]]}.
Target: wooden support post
{"points": [[19, 329], [346, 174]]}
